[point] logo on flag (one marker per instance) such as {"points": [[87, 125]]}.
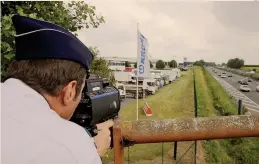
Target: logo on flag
{"points": [[143, 65]]}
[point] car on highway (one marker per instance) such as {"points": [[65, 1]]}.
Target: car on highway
{"points": [[244, 88], [248, 79], [243, 82], [223, 75], [219, 74], [257, 88], [230, 75]]}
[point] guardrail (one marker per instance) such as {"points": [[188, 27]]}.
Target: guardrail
{"points": [[127, 133]]}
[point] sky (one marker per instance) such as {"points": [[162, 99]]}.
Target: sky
{"points": [[212, 31]]}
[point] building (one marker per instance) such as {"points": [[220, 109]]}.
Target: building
{"points": [[212, 64], [118, 63]]}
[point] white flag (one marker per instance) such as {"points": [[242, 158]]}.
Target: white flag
{"points": [[143, 65]]}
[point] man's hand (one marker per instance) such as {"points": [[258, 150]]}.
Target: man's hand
{"points": [[103, 139]]}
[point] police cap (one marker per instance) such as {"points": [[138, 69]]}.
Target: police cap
{"points": [[36, 39]]}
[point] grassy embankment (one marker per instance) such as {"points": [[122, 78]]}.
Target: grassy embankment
{"points": [[247, 68], [172, 101], [213, 100]]}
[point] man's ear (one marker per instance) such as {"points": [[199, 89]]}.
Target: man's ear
{"points": [[69, 92]]}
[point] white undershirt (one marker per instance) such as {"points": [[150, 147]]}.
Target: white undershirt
{"points": [[32, 133]]}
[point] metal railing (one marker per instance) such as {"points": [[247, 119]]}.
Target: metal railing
{"points": [[188, 129]]}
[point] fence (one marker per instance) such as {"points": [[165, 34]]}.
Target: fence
{"points": [[188, 129]]}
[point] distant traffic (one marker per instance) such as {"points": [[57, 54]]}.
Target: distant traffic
{"points": [[244, 87]]}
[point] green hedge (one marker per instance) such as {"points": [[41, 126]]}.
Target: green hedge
{"points": [[251, 66], [223, 103]]}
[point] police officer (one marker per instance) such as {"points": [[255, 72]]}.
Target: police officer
{"points": [[41, 93]]}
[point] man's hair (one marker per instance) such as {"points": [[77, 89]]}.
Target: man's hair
{"points": [[48, 76]]}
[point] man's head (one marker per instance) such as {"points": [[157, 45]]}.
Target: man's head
{"points": [[52, 61], [59, 81]]}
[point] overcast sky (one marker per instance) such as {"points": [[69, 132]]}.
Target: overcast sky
{"points": [[213, 31]]}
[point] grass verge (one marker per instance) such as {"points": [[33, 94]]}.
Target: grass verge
{"points": [[211, 95], [172, 101], [247, 69]]}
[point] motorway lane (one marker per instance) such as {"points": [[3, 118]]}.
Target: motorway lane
{"points": [[233, 81], [231, 85]]}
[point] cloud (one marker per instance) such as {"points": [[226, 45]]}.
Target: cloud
{"points": [[213, 31]]}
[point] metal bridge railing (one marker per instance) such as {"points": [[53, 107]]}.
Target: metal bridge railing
{"points": [[188, 129]]}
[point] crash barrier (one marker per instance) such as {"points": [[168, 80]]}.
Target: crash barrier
{"points": [[127, 133]]}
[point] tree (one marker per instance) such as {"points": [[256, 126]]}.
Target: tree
{"points": [[172, 64], [200, 63], [99, 66], [151, 65], [127, 64], [160, 64], [235, 63], [73, 16]]}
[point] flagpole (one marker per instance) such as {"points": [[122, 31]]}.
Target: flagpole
{"points": [[137, 67]]}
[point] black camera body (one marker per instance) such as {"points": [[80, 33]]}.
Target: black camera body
{"points": [[99, 102]]}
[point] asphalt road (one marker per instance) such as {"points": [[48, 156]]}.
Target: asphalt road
{"points": [[127, 101], [231, 85]]}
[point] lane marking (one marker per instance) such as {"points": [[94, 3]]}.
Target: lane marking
{"points": [[239, 97], [252, 109], [251, 105], [234, 92], [248, 101], [245, 96]]}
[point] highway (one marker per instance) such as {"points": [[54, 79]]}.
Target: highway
{"points": [[230, 84]]}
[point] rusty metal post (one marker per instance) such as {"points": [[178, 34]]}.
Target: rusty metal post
{"points": [[190, 129], [117, 143]]}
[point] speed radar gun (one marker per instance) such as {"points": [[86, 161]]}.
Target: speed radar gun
{"points": [[99, 102]]}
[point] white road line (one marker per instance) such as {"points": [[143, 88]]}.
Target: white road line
{"points": [[234, 92], [248, 101], [251, 105], [238, 94], [239, 97], [252, 109], [231, 90], [245, 96], [230, 87]]}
